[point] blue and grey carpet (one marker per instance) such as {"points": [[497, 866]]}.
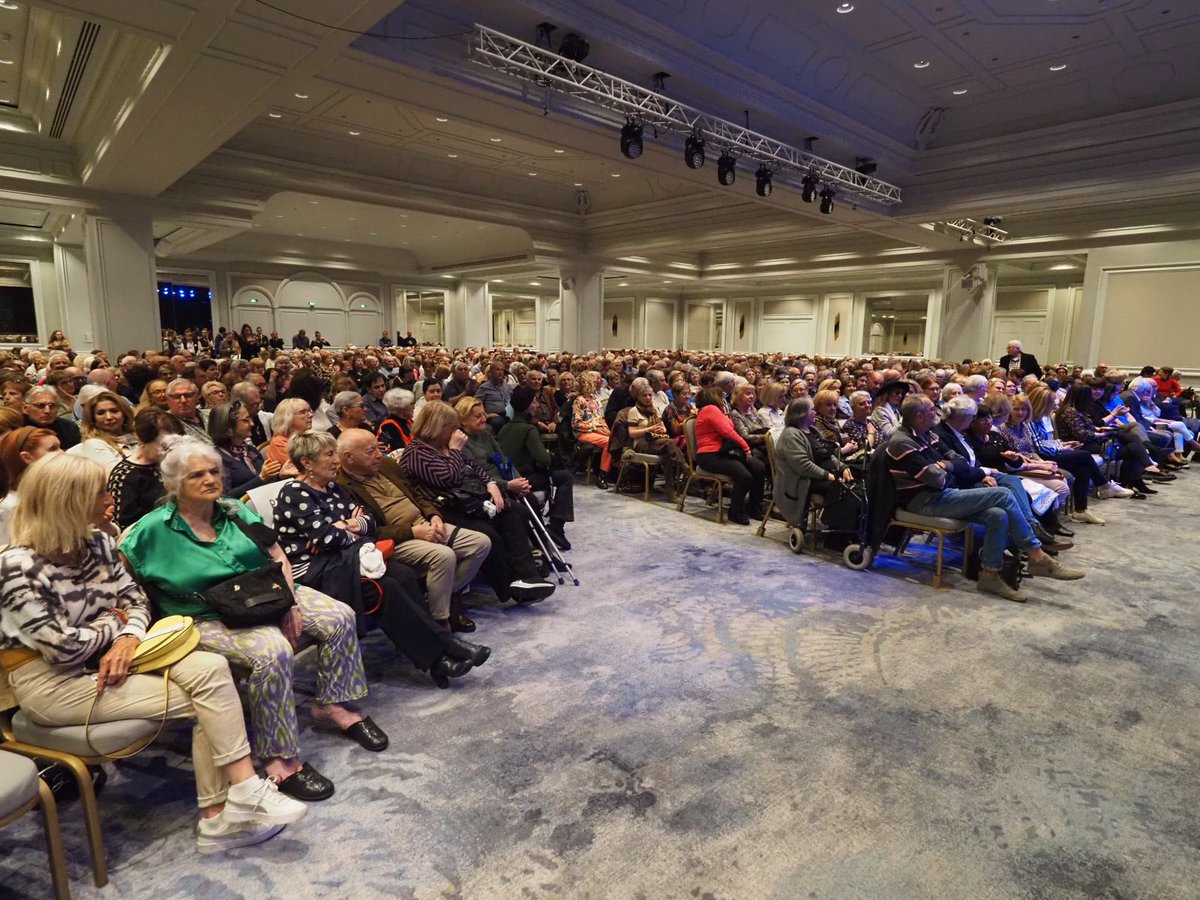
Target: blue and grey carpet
{"points": [[709, 715]]}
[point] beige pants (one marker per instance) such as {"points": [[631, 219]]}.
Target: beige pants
{"points": [[201, 688], [446, 569]]}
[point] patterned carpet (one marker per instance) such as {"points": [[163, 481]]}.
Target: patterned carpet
{"points": [[711, 716]]}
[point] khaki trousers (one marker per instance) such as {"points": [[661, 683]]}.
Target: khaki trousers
{"points": [[446, 569], [200, 688]]}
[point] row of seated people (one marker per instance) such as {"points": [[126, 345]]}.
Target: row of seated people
{"points": [[178, 473]]}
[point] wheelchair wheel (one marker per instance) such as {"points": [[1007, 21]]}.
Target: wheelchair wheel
{"points": [[796, 540], [858, 557]]}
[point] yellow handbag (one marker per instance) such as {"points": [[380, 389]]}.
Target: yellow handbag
{"points": [[167, 641]]}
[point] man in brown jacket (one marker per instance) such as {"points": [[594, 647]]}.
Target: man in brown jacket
{"points": [[449, 557]]}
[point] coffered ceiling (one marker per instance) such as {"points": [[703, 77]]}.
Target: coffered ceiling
{"points": [[255, 132]]}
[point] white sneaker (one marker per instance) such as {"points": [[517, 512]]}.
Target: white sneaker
{"points": [[530, 591], [1087, 517], [258, 800], [218, 834], [1111, 490]]}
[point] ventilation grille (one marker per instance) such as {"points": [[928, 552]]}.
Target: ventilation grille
{"points": [[494, 261], [79, 61]]}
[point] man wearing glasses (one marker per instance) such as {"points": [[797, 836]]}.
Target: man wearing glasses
{"points": [[41, 410], [183, 401]]}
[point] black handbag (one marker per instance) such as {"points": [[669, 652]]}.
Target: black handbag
{"points": [[731, 449], [258, 597]]}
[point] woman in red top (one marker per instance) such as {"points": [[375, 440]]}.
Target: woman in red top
{"points": [[716, 440], [1168, 384]]}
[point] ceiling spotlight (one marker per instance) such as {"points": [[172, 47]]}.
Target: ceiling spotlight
{"points": [[762, 181], [726, 169], [574, 48], [845, 8], [864, 165], [631, 139], [992, 221], [827, 196], [693, 152], [809, 184]]}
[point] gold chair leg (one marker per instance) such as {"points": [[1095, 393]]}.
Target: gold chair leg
{"points": [[720, 504], [687, 486], [54, 846], [968, 547], [91, 819], [937, 579], [762, 528]]}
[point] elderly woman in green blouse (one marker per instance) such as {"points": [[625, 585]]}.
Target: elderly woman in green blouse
{"points": [[189, 545]]}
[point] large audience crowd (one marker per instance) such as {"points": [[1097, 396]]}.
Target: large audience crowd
{"points": [[400, 475]]}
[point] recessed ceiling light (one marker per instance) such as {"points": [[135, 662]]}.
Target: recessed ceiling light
{"points": [[559, 151], [845, 8], [278, 216], [616, 174], [1058, 68], [9, 62], [494, 140], [535, 284], [534, 174], [4, 4], [579, 184], [447, 276], [498, 280], [355, 133], [452, 155], [373, 234], [275, 115], [959, 92], [300, 96], [921, 64], [442, 119], [314, 202]]}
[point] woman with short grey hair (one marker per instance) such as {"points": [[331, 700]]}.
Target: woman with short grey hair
{"points": [[395, 432], [192, 543], [805, 463]]}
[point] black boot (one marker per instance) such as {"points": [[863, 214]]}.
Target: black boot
{"points": [[558, 535]]}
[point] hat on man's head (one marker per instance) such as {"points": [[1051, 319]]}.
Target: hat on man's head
{"points": [[522, 397], [895, 384]]}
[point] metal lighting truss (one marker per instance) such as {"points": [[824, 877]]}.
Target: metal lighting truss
{"points": [[549, 70], [972, 229]]}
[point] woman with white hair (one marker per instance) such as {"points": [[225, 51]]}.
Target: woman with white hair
{"points": [[190, 544], [395, 432], [66, 599], [292, 416]]}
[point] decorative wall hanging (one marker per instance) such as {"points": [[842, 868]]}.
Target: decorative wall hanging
{"points": [[614, 325], [837, 325], [741, 327]]}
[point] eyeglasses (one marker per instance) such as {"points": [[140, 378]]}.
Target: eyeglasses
{"points": [[187, 396], [50, 404]]}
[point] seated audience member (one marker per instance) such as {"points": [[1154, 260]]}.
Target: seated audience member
{"points": [[1140, 400], [544, 411], [437, 468], [774, 403], [213, 393], [805, 463], [190, 544], [1042, 403], [648, 432], [373, 399], [859, 429], [292, 416], [564, 391], [1109, 409], [1075, 424], [323, 529], [68, 599], [135, 482], [589, 425], [721, 450], [41, 411], [923, 471], [494, 394], [826, 424], [968, 471], [459, 382], [250, 397], [395, 431], [448, 557], [106, 429], [22, 447], [12, 393], [183, 401], [10, 420], [520, 441], [154, 394], [886, 414], [431, 389], [995, 450], [350, 410], [744, 416], [230, 426]]}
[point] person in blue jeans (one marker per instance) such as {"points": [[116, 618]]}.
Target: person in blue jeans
{"points": [[923, 470]]}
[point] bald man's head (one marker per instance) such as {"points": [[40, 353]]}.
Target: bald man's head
{"points": [[359, 452]]}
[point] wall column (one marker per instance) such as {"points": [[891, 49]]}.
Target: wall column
{"points": [[121, 280], [476, 308], [582, 295]]}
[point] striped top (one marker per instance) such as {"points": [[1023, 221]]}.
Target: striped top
{"points": [[62, 612]]}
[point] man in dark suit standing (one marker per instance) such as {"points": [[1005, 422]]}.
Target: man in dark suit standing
{"points": [[1013, 358]]}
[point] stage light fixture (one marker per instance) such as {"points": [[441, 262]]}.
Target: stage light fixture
{"points": [[573, 47], [864, 165], [827, 196], [726, 169], [762, 181], [809, 183], [631, 139], [693, 152]]}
